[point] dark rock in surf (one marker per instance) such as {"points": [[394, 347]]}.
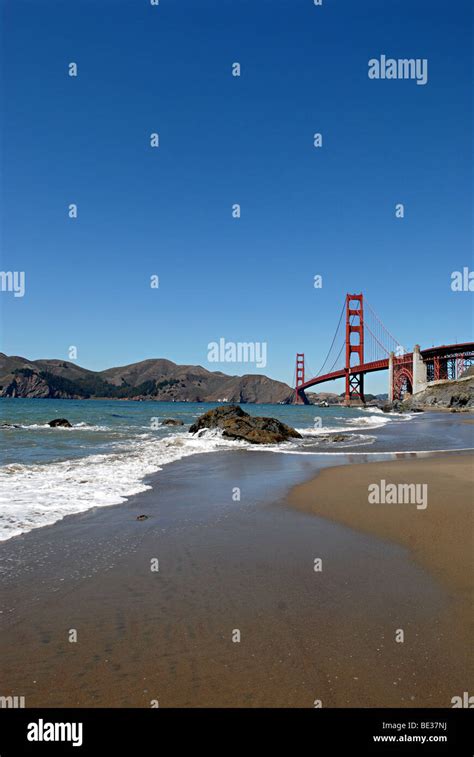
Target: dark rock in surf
{"points": [[237, 424], [59, 422]]}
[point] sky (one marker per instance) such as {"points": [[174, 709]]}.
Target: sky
{"points": [[224, 139]]}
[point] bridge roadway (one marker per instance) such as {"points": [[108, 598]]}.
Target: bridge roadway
{"points": [[443, 351]]}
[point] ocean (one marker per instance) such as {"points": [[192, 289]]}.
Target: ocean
{"points": [[48, 473]]}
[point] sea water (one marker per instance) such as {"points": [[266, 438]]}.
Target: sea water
{"points": [[47, 473]]}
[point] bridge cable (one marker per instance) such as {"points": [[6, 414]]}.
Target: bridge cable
{"points": [[342, 347], [395, 341], [332, 343], [379, 343]]}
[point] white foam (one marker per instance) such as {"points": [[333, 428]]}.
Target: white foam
{"points": [[46, 427], [373, 421], [39, 495], [351, 424]]}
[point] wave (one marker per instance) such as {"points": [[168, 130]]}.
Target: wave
{"points": [[35, 495], [46, 427], [355, 424], [41, 494]]}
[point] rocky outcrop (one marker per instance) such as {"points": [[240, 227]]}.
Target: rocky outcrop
{"points": [[29, 385], [172, 422], [396, 406], [63, 422], [444, 395], [237, 424], [458, 395]]}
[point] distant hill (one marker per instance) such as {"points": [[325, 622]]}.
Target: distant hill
{"points": [[331, 398], [155, 379]]}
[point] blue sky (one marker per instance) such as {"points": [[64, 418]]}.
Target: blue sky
{"points": [[226, 140]]}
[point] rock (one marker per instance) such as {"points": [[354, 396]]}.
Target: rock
{"points": [[142, 517], [59, 422], [395, 407], [30, 385], [9, 425], [440, 395], [446, 394], [237, 424], [459, 400], [172, 422], [338, 437]]}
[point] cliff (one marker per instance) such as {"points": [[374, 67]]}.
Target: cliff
{"points": [[452, 395]]}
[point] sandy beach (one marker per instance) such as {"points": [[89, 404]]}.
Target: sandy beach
{"points": [[440, 537], [247, 566]]}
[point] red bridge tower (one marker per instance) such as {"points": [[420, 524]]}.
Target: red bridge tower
{"points": [[354, 394], [300, 398]]}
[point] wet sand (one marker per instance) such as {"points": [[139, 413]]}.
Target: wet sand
{"points": [[247, 565]]}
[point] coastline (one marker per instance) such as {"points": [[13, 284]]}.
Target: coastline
{"points": [[438, 537], [106, 457], [227, 565]]}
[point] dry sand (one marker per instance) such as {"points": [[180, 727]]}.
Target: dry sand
{"points": [[440, 537]]}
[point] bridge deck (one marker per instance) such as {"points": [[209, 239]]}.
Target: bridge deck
{"points": [[377, 365], [444, 350]]}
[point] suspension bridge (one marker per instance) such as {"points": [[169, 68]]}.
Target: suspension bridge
{"points": [[362, 344]]}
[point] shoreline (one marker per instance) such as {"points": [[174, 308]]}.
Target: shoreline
{"points": [[367, 406], [226, 565], [448, 521], [438, 538], [95, 476], [331, 459]]}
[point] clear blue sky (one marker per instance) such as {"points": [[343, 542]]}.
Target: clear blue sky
{"points": [[226, 140]]}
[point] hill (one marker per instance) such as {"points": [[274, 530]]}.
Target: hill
{"points": [[154, 379]]}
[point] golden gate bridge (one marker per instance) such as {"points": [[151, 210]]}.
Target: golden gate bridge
{"points": [[362, 344]]}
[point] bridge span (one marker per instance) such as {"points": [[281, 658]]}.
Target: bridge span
{"points": [[368, 346]]}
